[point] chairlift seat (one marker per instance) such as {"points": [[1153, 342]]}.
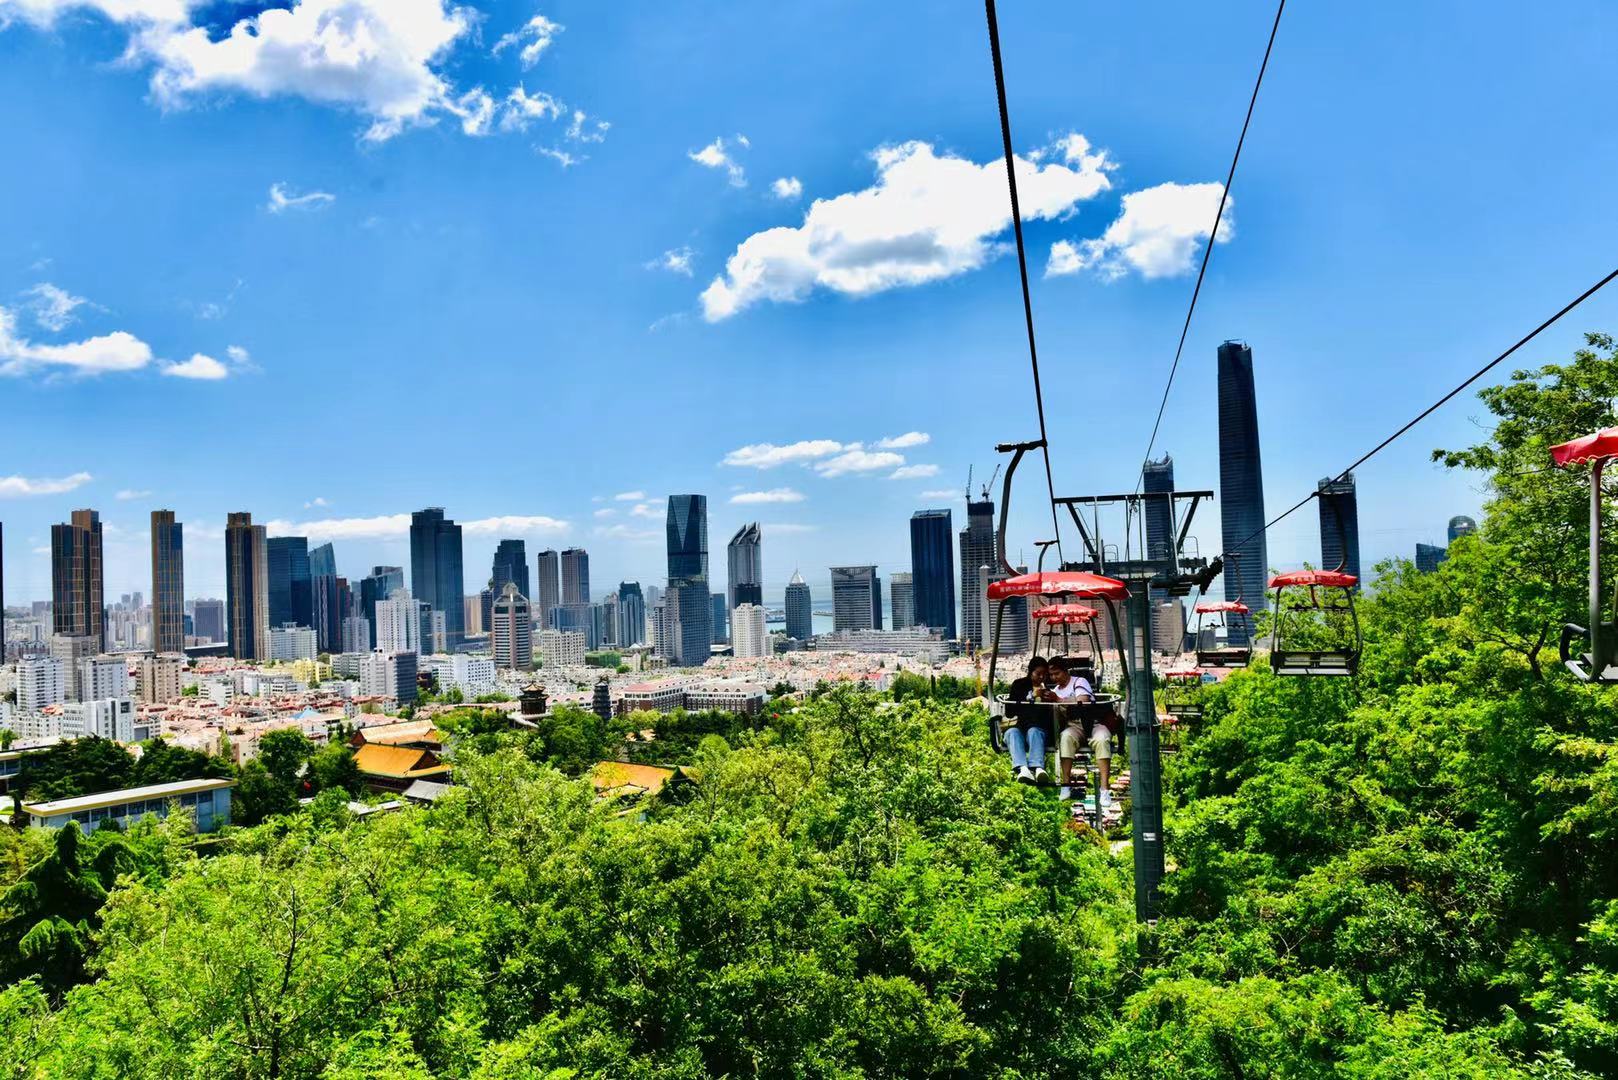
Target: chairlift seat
{"points": [[1224, 658], [1319, 662]]}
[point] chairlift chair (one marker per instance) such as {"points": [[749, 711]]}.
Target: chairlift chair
{"points": [[1182, 693], [1226, 615], [1598, 663], [1323, 591]]}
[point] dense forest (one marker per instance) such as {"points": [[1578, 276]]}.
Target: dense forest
{"points": [[1413, 873]]}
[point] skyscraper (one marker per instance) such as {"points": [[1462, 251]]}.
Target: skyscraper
{"points": [[800, 609], [511, 634], [932, 567], [856, 598], [377, 586], [399, 623], [721, 620], [208, 619], [575, 576], [291, 597], [1339, 525], [749, 638], [978, 549], [247, 588], [902, 600], [1460, 525], [744, 554], [329, 598], [168, 583], [688, 603], [1241, 486], [631, 614], [548, 563], [323, 561], [77, 608], [510, 567], [1428, 556], [1157, 478], [436, 576]]}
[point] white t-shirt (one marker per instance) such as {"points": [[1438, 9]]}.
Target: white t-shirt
{"points": [[1075, 686]]}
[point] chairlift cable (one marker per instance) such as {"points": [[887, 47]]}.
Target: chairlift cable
{"points": [[1429, 410], [1022, 262], [1207, 249]]}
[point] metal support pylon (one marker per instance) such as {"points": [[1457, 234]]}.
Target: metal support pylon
{"points": [[1145, 760]]}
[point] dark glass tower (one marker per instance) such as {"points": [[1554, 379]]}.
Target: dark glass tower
{"points": [[1241, 484], [688, 604], [77, 609], [1460, 525], [1339, 525], [856, 595], [510, 567], [326, 592], [800, 609], [575, 577], [631, 614], [977, 551], [247, 588], [932, 568], [291, 596], [168, 583], [436, 577]]}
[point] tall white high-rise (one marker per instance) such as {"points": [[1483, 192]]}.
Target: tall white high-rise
{"points": [[511, 631], [748, 636], [398, 623], [102, 677], [41, 681]]}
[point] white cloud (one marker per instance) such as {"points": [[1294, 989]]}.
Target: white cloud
{"points": [[630, 496], [283, 198], [905, 441], [128, 495], [535, 36], [117, 351], [769, 456], [21, 486], [1156, 234], [716, 156], [583, 129], [515, 524], [317, 501], [675, 260], [787, 187], [858, 461], [774, 495], [645, 510], [391, 526], [927, 217], [606, 512], [522, 108], [474, 109], [561, 157], [44, 12], [914, 472], [939, 493], [53, 307], [198, 367]]}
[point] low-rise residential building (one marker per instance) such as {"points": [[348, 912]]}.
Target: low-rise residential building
{"points": [[389, 675], [108, 718], [208, 800], [472, 674]]}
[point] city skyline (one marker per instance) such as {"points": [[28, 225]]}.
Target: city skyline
{"points": [[415, 275]]}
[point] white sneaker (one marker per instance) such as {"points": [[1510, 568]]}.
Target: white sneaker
{"points": [[1040, 776], [1025, 775], [1106, 799], [1067, 793]]}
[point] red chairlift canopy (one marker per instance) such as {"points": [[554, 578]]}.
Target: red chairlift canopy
{"points": [[1217, 607], [1078, 614], [1184, 673], [1059, 583], [1331, 579], [1603, 444]]}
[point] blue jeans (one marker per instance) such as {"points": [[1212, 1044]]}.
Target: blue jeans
{"points": [[1027, 748]]}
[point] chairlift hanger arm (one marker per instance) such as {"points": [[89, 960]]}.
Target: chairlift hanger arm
{"points": [[1016, 450]]}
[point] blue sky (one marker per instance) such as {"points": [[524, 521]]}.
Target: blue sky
{"points": [[339, 269]]}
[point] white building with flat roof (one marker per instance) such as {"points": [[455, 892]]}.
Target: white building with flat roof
{"points": [[109, 718], [561, 648], [748, 637], [293, 643], [162, 677], [102, 677], [470, 673], [207, 800], [41, 681]]}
